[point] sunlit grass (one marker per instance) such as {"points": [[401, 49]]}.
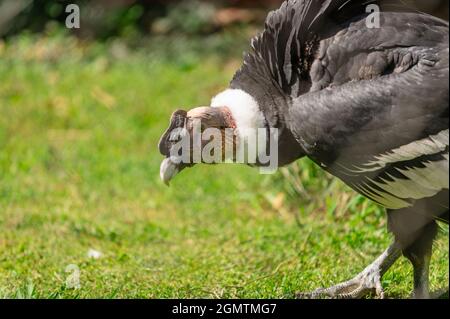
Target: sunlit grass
{"points": [[79, 169]]}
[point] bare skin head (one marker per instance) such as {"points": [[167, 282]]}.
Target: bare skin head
{"points": [[182, 126]]}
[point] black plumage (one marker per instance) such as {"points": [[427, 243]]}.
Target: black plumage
{"points": [[369, 105], [348, 94]]}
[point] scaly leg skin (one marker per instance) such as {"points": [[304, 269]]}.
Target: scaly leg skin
{"points": [[421, 278], [368, 281], [419, 254]]}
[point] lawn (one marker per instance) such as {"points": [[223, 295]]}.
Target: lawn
{"points": [[80, 192]]}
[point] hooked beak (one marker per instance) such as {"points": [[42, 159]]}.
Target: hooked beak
{"points": [[168, 170]]}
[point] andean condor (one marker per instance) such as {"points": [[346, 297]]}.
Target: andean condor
{"points": [[366, 102]]}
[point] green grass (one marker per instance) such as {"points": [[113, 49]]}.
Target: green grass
{"points": [[79, 170]]}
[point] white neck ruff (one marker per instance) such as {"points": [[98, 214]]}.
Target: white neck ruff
{"points": [[245, 112]]}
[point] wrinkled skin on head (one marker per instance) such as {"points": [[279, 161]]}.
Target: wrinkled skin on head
{"points": [[182, 121]]}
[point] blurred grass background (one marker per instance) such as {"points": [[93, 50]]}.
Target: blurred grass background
{"points": [[81, 115]]}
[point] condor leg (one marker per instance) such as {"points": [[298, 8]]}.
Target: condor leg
{"points": [[368, 281]]}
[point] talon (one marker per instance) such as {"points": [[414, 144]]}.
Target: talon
{"points": [[366, 283], [380, 290]]}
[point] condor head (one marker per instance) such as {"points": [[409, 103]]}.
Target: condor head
{"points": [[197, 136]]}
